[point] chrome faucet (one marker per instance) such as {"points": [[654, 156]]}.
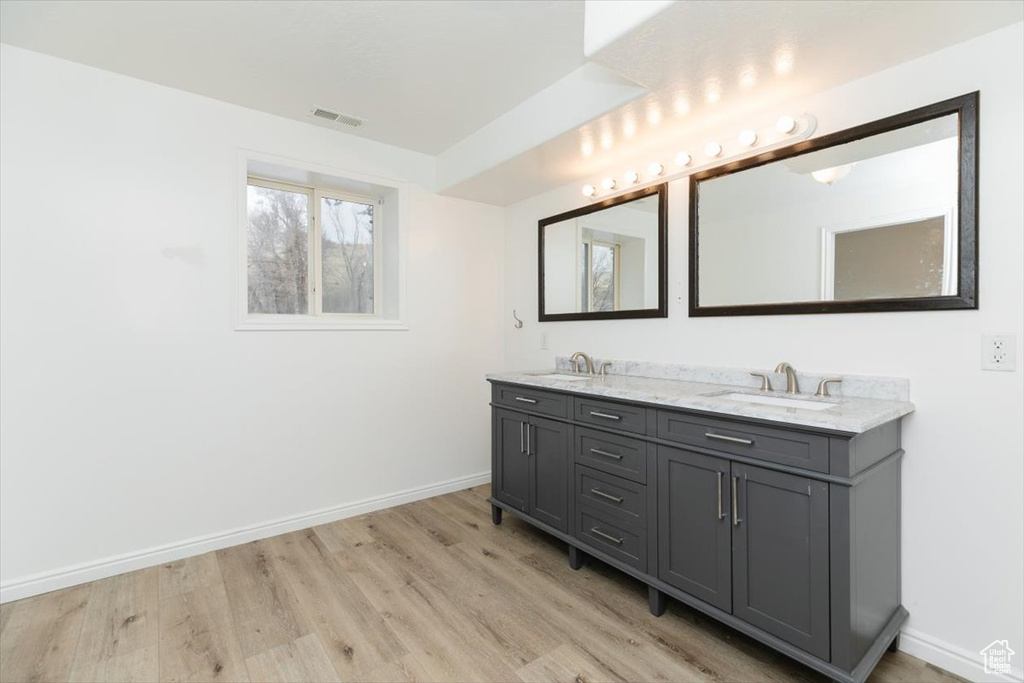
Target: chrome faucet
{"points": [[574, 359], [791, 383]]}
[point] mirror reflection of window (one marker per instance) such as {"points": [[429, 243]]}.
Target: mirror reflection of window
{"points": [[603, 276], [604, 261]]}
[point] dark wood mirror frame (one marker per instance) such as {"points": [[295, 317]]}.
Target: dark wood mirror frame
{"points": [[966, 106], [662, 310]]}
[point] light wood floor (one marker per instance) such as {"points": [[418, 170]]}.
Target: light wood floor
{"points": [[426, 591]]}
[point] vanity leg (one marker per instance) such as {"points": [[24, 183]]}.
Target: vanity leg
{"points": [[894, 646], [576, 557], [495, 515], [656, 600]]}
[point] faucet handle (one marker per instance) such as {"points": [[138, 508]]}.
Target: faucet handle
{"points": [[823, 385], [604, 367], [766, 382]]}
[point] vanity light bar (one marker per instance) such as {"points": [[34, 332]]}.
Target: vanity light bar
{"points": [[786, 129]]}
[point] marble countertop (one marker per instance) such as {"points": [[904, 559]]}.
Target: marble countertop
{"points": [[848, 414]]}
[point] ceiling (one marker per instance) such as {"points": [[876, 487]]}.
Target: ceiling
{"points": [[499, 90], [423, 74]]}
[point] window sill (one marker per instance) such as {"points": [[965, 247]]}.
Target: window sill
{"points": [[285, 323]]}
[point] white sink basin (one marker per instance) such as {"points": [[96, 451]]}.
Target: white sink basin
{"points": [[567, 378], [803, 404]]}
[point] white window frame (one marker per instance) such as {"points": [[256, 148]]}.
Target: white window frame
{"points": [[315, 319]]}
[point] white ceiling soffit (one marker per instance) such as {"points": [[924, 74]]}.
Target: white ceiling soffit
{"points": [[423, 74], [711, 67], [586, 93], [605, 21]]}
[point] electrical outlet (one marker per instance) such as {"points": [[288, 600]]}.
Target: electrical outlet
{"points": [[999, 352], [543, 341]]}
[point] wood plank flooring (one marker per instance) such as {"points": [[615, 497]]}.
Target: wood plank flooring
{"points": [[429, 591]]}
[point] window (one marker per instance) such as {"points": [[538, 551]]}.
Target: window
{"points": [[318, 250], [310, 251]]}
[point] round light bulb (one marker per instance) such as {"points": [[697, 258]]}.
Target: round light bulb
{"points": [[712, 149], [608, 183], [785, 125], [632, 177], [747, 138], [655, 169], [589, 190], [683, 159]]}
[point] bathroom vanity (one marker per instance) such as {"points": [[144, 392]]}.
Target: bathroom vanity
{"points": [[782, 522]]}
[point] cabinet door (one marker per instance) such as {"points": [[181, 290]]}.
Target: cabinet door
{"points": [[511, 463], [548, 445], [694, 535], [780, 556]]}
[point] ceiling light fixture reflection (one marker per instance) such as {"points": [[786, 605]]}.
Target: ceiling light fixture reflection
{"points": [[712, 149], [829, 176], [681, 106], [654, 115], [748, 79]]}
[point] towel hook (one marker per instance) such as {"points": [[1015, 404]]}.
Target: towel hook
{"points": [[519, 323]]}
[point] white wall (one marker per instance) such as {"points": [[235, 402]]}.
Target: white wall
{"points": [[132, 416], [963, 516]]}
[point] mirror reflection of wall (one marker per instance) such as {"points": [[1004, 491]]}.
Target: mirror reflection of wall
{"points": [[874, 218], [603, 261]]}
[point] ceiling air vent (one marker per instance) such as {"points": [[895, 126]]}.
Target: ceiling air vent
{"points": [[329, 115]]}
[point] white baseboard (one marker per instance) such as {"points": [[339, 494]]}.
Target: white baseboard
{"points": [[83, 573], [951, 657]]}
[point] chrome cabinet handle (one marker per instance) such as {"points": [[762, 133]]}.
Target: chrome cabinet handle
{"points": [[599, 492], [730, 439], [721, 515], [598, 532], [605, 415], [526, 400], [528, 444], [598, 451], [522, 440], [735, 502]]}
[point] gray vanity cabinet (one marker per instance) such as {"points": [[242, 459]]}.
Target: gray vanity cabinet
{"points": [[531, 465], [780, 563], [787, 533], [694, 528]]}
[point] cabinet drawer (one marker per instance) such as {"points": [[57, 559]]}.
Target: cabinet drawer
{"points": [[622, 541], [611, 415], [618, 455], [625, 499], [534, 400], [808, 451]]}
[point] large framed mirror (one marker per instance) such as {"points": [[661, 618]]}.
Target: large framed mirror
{"points": [[606, 261], [881, 217]]}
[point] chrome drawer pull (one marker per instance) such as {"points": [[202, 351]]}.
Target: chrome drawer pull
{"points": [[598, 451], [522, 439], [599, 492], [605, 415], [526, 400], [735, 503], [598, 532], [721, 515], [730, 439]]}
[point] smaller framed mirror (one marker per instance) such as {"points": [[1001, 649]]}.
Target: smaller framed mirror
{"points": [[606, 261]]}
